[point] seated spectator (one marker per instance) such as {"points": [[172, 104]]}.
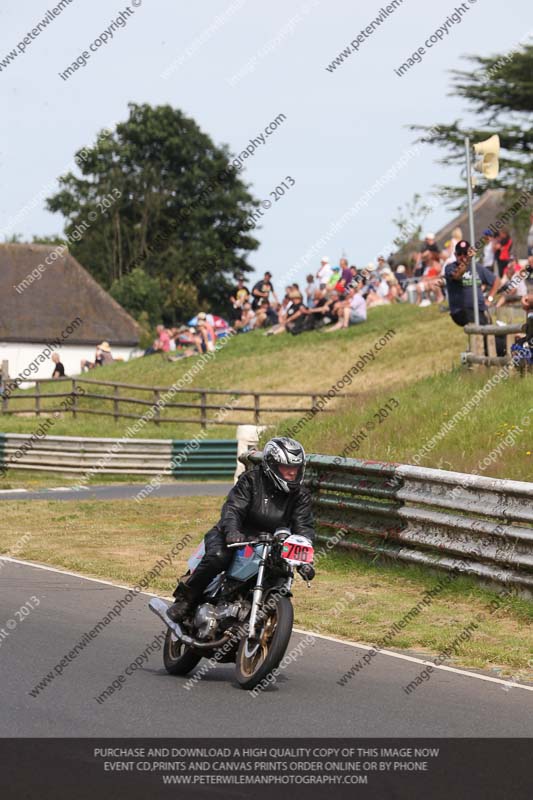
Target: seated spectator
{"points": [[503, 245], [351, 311], [247, 321], [430, 282], [163, 339], [102, 357], [401, 277], [390, 279], [513, 287], [293, 312], [262, 319], [378, 291], [206, 334], [59, 369]]}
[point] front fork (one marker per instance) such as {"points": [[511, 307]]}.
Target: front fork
{"points": [[258, 593]]}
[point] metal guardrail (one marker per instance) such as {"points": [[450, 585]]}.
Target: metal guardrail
{"points": [[210, 458], [478, 333], [445, 520]]}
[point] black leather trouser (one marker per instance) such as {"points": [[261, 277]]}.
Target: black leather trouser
{"points": [[216, 559]]}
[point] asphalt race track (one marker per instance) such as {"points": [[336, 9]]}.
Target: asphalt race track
{"points": [[306, 701], [119, 491]]}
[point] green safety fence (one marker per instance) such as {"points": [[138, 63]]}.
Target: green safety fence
{"points": [[211, 458]]}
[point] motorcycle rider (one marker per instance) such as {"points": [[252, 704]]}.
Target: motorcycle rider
{"points": [[266, 497]]}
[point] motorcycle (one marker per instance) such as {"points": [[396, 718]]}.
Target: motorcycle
{"points": [[245, 615]]}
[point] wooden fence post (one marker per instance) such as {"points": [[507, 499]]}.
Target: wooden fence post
{"points": [[74, 399], [5, 382], [157, 418], [37, 398], [257, 409], [203, 409], [116, 403]]}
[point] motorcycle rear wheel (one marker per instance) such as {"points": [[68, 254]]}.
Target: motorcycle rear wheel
{"points": [[275, 635], [178, 658]]}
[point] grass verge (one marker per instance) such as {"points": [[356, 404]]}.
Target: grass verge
{"points": [[120, 541]]}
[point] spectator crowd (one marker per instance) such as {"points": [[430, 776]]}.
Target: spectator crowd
{"points": [[340, 295]]}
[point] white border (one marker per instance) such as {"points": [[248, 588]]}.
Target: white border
{"points": [[345, 642]]}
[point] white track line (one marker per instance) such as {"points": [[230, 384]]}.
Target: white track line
{"points": [[359, 645], [12, 491]]}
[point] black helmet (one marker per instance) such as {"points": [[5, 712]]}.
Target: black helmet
{"points": [[462, 248], [284, 451]]}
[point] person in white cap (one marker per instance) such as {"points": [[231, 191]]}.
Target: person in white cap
{"points": [[325, 271]]}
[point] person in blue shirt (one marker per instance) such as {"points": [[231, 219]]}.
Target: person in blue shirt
{"points": [[459, 283]]}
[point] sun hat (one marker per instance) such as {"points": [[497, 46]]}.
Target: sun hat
{"points": [[105, 347]]}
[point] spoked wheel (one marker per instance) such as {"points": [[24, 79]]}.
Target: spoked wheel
{"points": [[178, 658], [255, 660]]}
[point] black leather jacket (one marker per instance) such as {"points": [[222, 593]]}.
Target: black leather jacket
{"points": [[254, 506]]}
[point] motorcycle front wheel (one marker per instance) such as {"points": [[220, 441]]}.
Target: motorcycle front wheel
{"points": [[254, 663], [177, 657]]}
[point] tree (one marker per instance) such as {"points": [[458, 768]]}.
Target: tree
{"points": [[499, 90], [137, 292], [409, 222], [157, 193]]}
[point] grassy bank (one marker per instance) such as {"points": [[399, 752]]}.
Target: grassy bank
{"points": [[494, 438], [120, 541], [311, 362]]}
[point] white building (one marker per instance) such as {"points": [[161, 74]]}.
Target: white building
{"points": [[49, 303]]}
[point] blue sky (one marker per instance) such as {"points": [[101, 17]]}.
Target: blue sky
{"points": [[234, 66]]}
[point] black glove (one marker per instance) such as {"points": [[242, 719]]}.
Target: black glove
{"points": [[307, 571], [234, 537]]}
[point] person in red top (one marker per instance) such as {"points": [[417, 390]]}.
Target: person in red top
{"points": [[502, 247], [163, 339], [430, 281]]}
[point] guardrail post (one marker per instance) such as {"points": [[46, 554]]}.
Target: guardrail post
{"points": [[257, 408], [203, 409], [157, 417], [74, 399], [37, 398], [115, 404]]}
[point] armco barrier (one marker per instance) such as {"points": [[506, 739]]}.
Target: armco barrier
{"points": [[446, 520], [207, 458], [210, 458], [2, 451]]}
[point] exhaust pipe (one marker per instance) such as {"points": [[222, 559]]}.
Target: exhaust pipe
{"points": [[159, 607]]}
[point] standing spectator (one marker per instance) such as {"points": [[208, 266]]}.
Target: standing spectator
{"points": [[310, 290], [59, 369], [324, 272], [239, 297], [489, 256], [263, 289], [346, 272], [502, 246], [459, 283]]}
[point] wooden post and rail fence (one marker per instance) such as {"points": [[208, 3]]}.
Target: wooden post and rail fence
{"points": [[120, 404]]}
